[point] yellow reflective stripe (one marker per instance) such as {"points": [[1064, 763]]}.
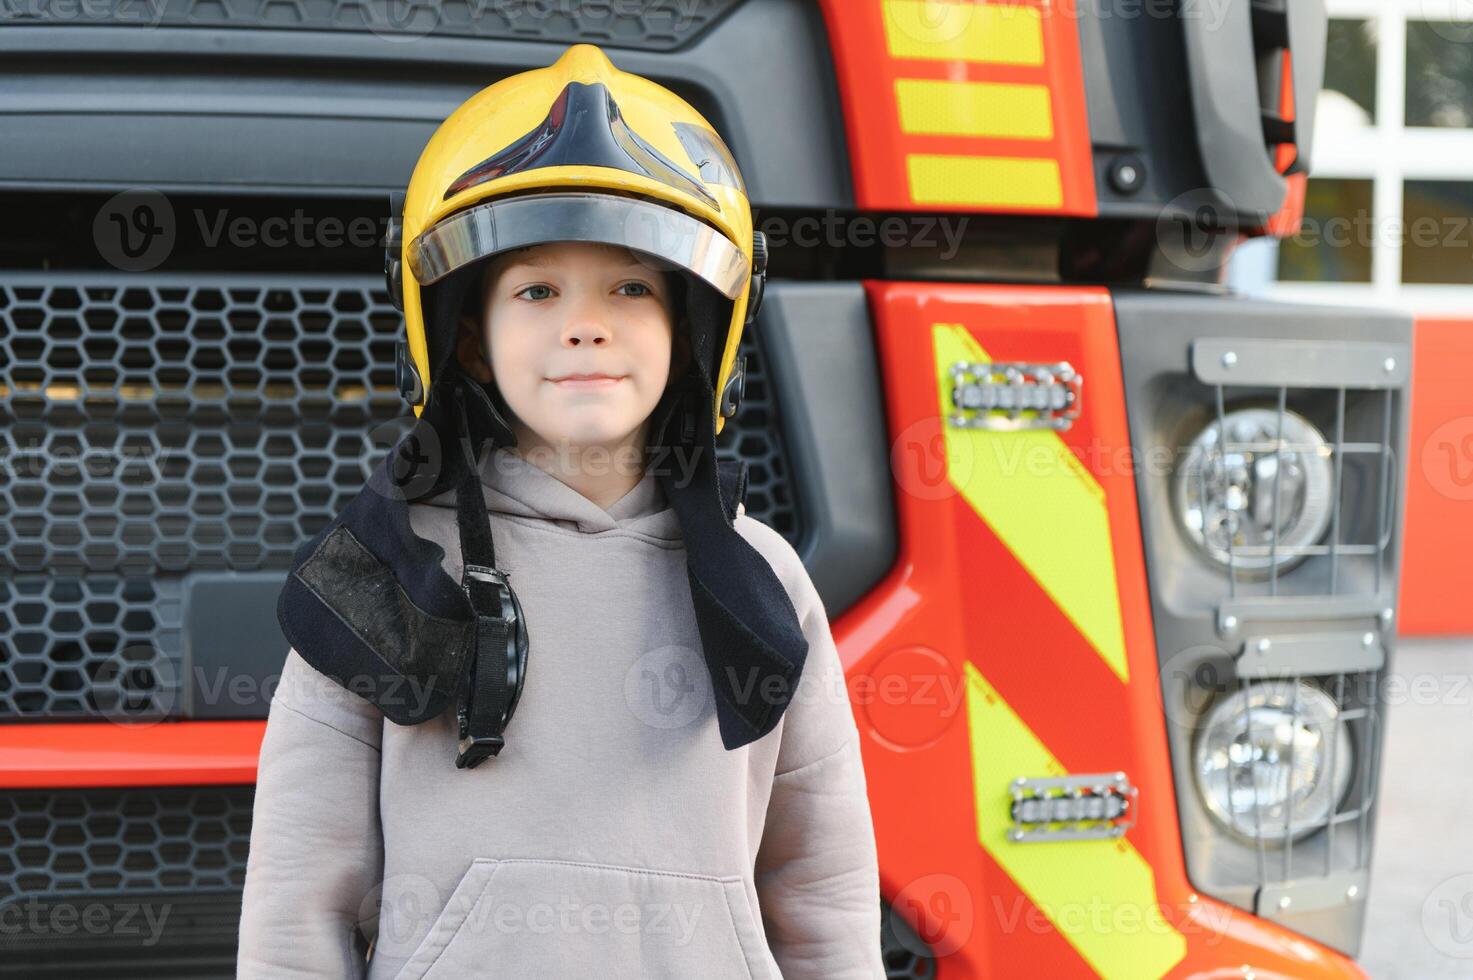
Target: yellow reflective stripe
{"points": [[1099, 894], [1009, 34], [1041, 503], [1001, 109], [984, 181]]}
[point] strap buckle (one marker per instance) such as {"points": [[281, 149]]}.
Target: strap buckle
{"points": [[476, 748], [495, 576]]}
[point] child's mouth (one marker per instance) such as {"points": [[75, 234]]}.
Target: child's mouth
{"points": [[587, 381]]}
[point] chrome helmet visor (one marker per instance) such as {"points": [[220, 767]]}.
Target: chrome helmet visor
{"points": [[538, 219]]}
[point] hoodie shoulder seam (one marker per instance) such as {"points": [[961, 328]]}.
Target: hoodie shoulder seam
{"points": [[821, 759], [298, 711]]}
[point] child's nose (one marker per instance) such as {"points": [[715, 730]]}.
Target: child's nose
{"points": [[587, 324]]}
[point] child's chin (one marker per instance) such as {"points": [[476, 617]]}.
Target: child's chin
{"points": [[594, 436]]}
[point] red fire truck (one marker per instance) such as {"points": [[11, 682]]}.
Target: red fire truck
{"points": [[1111, 552]]}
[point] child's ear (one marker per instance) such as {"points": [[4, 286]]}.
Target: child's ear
{"points": [[470, 351]]}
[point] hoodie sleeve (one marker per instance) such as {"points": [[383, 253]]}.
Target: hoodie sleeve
{"points": [[316, 850], [817, 870]]}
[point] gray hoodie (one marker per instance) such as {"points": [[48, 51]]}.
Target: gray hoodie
{"points": [[614, 836]]}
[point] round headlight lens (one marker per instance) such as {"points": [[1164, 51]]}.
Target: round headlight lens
{"points": [[1229, 496], [1262, 765]]}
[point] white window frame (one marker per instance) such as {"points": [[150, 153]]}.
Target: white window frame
{"points": [[1390, 153]]}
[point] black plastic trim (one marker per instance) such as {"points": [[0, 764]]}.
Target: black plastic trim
{"points": [[823, 369]]}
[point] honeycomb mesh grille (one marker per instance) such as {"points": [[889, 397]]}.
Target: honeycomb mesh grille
{"points": [[100, 645], [123, 882], [653, 25], [156, 426], [57, 841], [203, 425]]}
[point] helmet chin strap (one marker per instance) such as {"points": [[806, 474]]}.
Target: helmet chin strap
{"points": [[753, 643], [499, 641], [484, 418]]}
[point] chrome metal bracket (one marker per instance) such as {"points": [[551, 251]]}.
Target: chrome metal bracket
{"points": [[1009, 396], [1288, 898], [1276, 362], [1238, 616], [1295, 654], [1084, 807]]}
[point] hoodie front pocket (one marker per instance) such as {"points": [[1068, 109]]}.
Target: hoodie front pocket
{"points": [[524, 917]]}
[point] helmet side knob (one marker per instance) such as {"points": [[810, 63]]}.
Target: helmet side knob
{"points": [[406, 375], [759, 274], [394, 251], [736, 386]]}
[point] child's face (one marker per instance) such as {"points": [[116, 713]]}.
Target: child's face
{"points": [[575, 308]]}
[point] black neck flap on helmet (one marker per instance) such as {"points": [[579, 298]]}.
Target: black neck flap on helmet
{"points": [[368, 603]]}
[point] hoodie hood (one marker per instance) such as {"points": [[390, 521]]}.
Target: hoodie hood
{"points": [[515, 488]]}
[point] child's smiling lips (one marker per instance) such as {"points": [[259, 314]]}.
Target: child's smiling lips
{"points": [[593, 380]]}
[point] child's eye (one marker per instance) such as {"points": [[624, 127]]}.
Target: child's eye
{"points": [[644, 290], [546, 291]]}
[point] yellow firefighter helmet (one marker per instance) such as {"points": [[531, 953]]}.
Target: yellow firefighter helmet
{"points": [[577, 151]]}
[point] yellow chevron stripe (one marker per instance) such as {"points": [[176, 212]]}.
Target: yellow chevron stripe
{"points": [[1008, 34], [1099, 894], [1032, 182], [1001, 109], [1042, 503]]}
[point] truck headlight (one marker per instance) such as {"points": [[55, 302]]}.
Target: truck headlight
{"points": [[1264, 769], [1228, 495]]}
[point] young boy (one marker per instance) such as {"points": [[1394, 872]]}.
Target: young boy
{"points": [[651, 768]]}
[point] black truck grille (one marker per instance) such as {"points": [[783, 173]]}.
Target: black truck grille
{"points": [[651, 25], [155, 426]]}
